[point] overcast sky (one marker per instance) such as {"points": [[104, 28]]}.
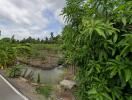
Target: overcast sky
{"points": [[36, 18]]}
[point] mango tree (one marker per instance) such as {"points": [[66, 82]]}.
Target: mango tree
{"points": [[97, 39]]}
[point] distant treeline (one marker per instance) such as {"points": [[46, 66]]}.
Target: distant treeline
{"points": [[51, 39]]}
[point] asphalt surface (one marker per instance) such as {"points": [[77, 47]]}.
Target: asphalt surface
{"points": [[8, 92]]}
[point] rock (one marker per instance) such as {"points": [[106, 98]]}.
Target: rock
{"points": [[67, 84]]}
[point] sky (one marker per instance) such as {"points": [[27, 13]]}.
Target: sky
{"points": [[35, 18]]}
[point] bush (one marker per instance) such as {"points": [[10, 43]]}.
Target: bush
{"points": [[15, 71], [98, 39], [7, 54]]}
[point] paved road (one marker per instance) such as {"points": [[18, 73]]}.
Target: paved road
{"points": [[8, 92]]}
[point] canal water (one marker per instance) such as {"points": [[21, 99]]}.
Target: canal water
{"points": [[52, 76]]}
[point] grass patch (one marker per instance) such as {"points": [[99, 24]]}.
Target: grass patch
{"points": [[45, 90]]}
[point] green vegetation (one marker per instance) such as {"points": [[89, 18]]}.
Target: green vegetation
{"points": [[41, 51], [9, 52], [14, 71], [53, 47], [98, 40], [11, 48], [45, 90]]}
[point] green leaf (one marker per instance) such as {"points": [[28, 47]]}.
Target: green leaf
{"points": [[127, 74], [115, 38], [100, 97], [113, 73], [90, 71], [130, 21], [97, 67], [113, 52], [100, 32], [92, 91], [106, 96], [125, 51], [118, 57], [130, 83], [124, 21]]}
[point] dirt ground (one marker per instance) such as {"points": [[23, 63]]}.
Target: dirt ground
{"points": [[26, 88], [59, 93], [49, 63]]}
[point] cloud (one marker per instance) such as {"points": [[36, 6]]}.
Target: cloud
{"points": [[23, 18]]}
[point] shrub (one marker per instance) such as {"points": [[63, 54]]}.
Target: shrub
{"points": [[14, 71], [7, 54]]}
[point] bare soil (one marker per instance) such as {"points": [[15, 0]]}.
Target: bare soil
{"points": [[26, 88], [49, 62]]}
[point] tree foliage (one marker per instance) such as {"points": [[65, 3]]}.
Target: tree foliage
{"points": [[97, 39]]}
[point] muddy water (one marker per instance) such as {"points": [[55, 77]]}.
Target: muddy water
{"points": [[52, 76]]}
